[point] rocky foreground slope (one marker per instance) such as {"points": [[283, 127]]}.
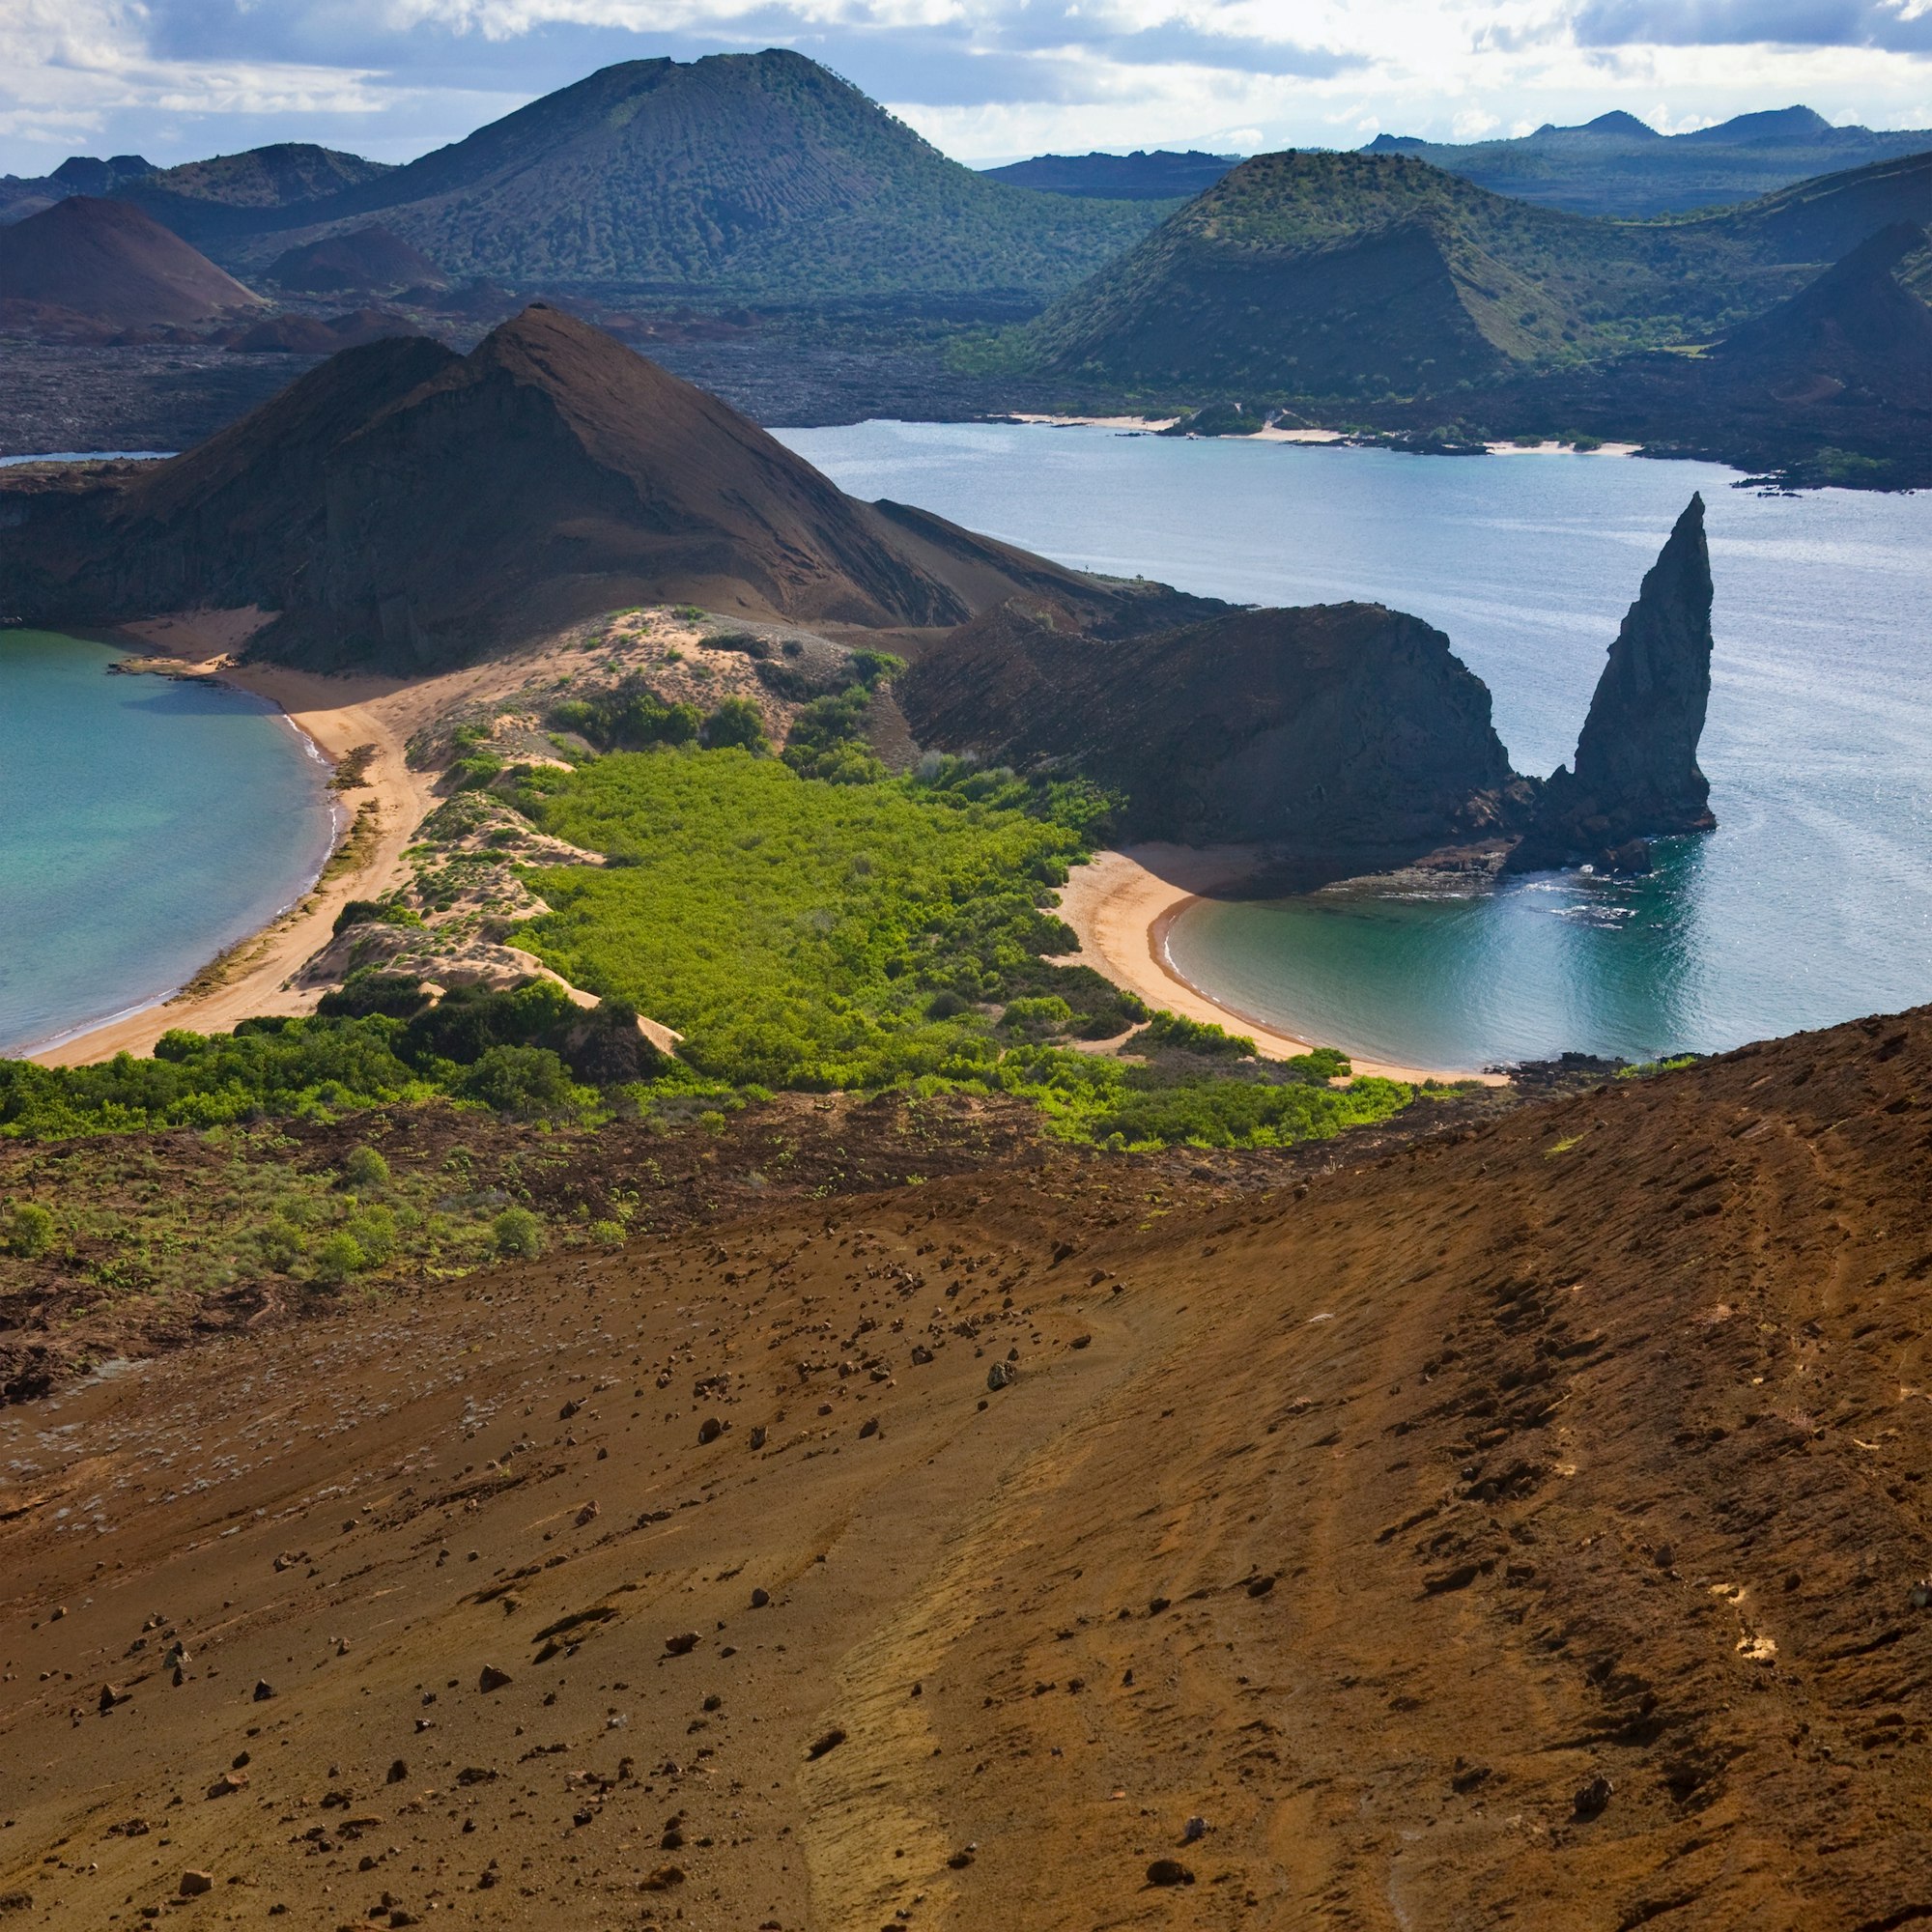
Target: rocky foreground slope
{"points": [[1527, 1526]]}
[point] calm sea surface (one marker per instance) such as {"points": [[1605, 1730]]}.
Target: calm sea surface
{"points": [[144, 826], [1812, 902]]}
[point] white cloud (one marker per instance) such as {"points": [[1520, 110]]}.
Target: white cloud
{"points": [[985, 80]]}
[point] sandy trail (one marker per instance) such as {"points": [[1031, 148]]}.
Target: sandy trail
{"points": [[1123, 904]]}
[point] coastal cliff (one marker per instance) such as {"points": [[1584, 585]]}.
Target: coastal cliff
{"points": [[1346, 733], [1342, 738], [1635, 775]]}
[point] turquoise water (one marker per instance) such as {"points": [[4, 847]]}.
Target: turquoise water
{"points": [[1812, 901], [145, 825]]}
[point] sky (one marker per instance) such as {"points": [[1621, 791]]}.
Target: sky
{"points": [[986, 80]]}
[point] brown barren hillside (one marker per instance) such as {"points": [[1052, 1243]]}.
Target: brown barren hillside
{"points": [[112, 264], [406, 508], [1522, 1526]]}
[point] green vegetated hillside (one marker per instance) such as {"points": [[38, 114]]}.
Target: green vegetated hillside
{"points": [[1618, 166], [1377, 276], [747, 174]]}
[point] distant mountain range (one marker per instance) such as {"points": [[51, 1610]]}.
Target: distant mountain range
{"points": [[1161, 175], [1372, 274], [728, 178], [1618, 166]]}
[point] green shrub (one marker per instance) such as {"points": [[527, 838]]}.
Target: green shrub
{"points": [[374, 912], [279, 1244], [608, 1233], [369, 990], [374, 1233], [1174, 1033], [519, 1234], [365, 1170], [630, 716], [30, 1231], [1047, 1014], [736, 723], [474, 773], [528, 1083], [336, 1257]]}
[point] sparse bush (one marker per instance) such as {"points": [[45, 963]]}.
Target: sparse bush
{"points": [[368, 990], [1176, 1033], [608, 1233], [374, 1233], [30, 1231], [1048, 1014], [527, 1082], [519, 1234], [736, 722], [365, 1170], [337, 1258]]}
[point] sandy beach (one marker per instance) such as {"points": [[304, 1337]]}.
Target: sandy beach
{"points": [[337, 714], [1121, 905]]}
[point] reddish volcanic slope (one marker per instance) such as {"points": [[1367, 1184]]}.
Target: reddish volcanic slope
{"points": [[108, 261]]}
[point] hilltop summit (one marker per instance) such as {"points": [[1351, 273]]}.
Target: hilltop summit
{"points": [[747, 173]]}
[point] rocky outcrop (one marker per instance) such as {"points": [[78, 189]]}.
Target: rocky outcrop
{"points": [[1635, 775], [1348, 735]]}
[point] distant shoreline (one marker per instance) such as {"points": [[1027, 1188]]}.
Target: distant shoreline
{"points": [[1124, 903], [1311, 438]]}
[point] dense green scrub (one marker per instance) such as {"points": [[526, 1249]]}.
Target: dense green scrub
{"points": [[851, 930], [800, 933]]}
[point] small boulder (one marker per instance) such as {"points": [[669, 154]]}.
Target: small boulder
{"points": [[1169, 1871], [194, 1883], [709, 1431], [1591, 1798], [490, 1677], [682, 1644]]}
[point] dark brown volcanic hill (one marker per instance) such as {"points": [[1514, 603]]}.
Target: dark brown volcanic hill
{"points": [[1348, 730], [1521, 1528], [365, 258], [549, 474], [1860, 325], [111, 263]]}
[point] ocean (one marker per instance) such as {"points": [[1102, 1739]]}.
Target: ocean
{"points": [[1810, 904], [145, 826]]}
